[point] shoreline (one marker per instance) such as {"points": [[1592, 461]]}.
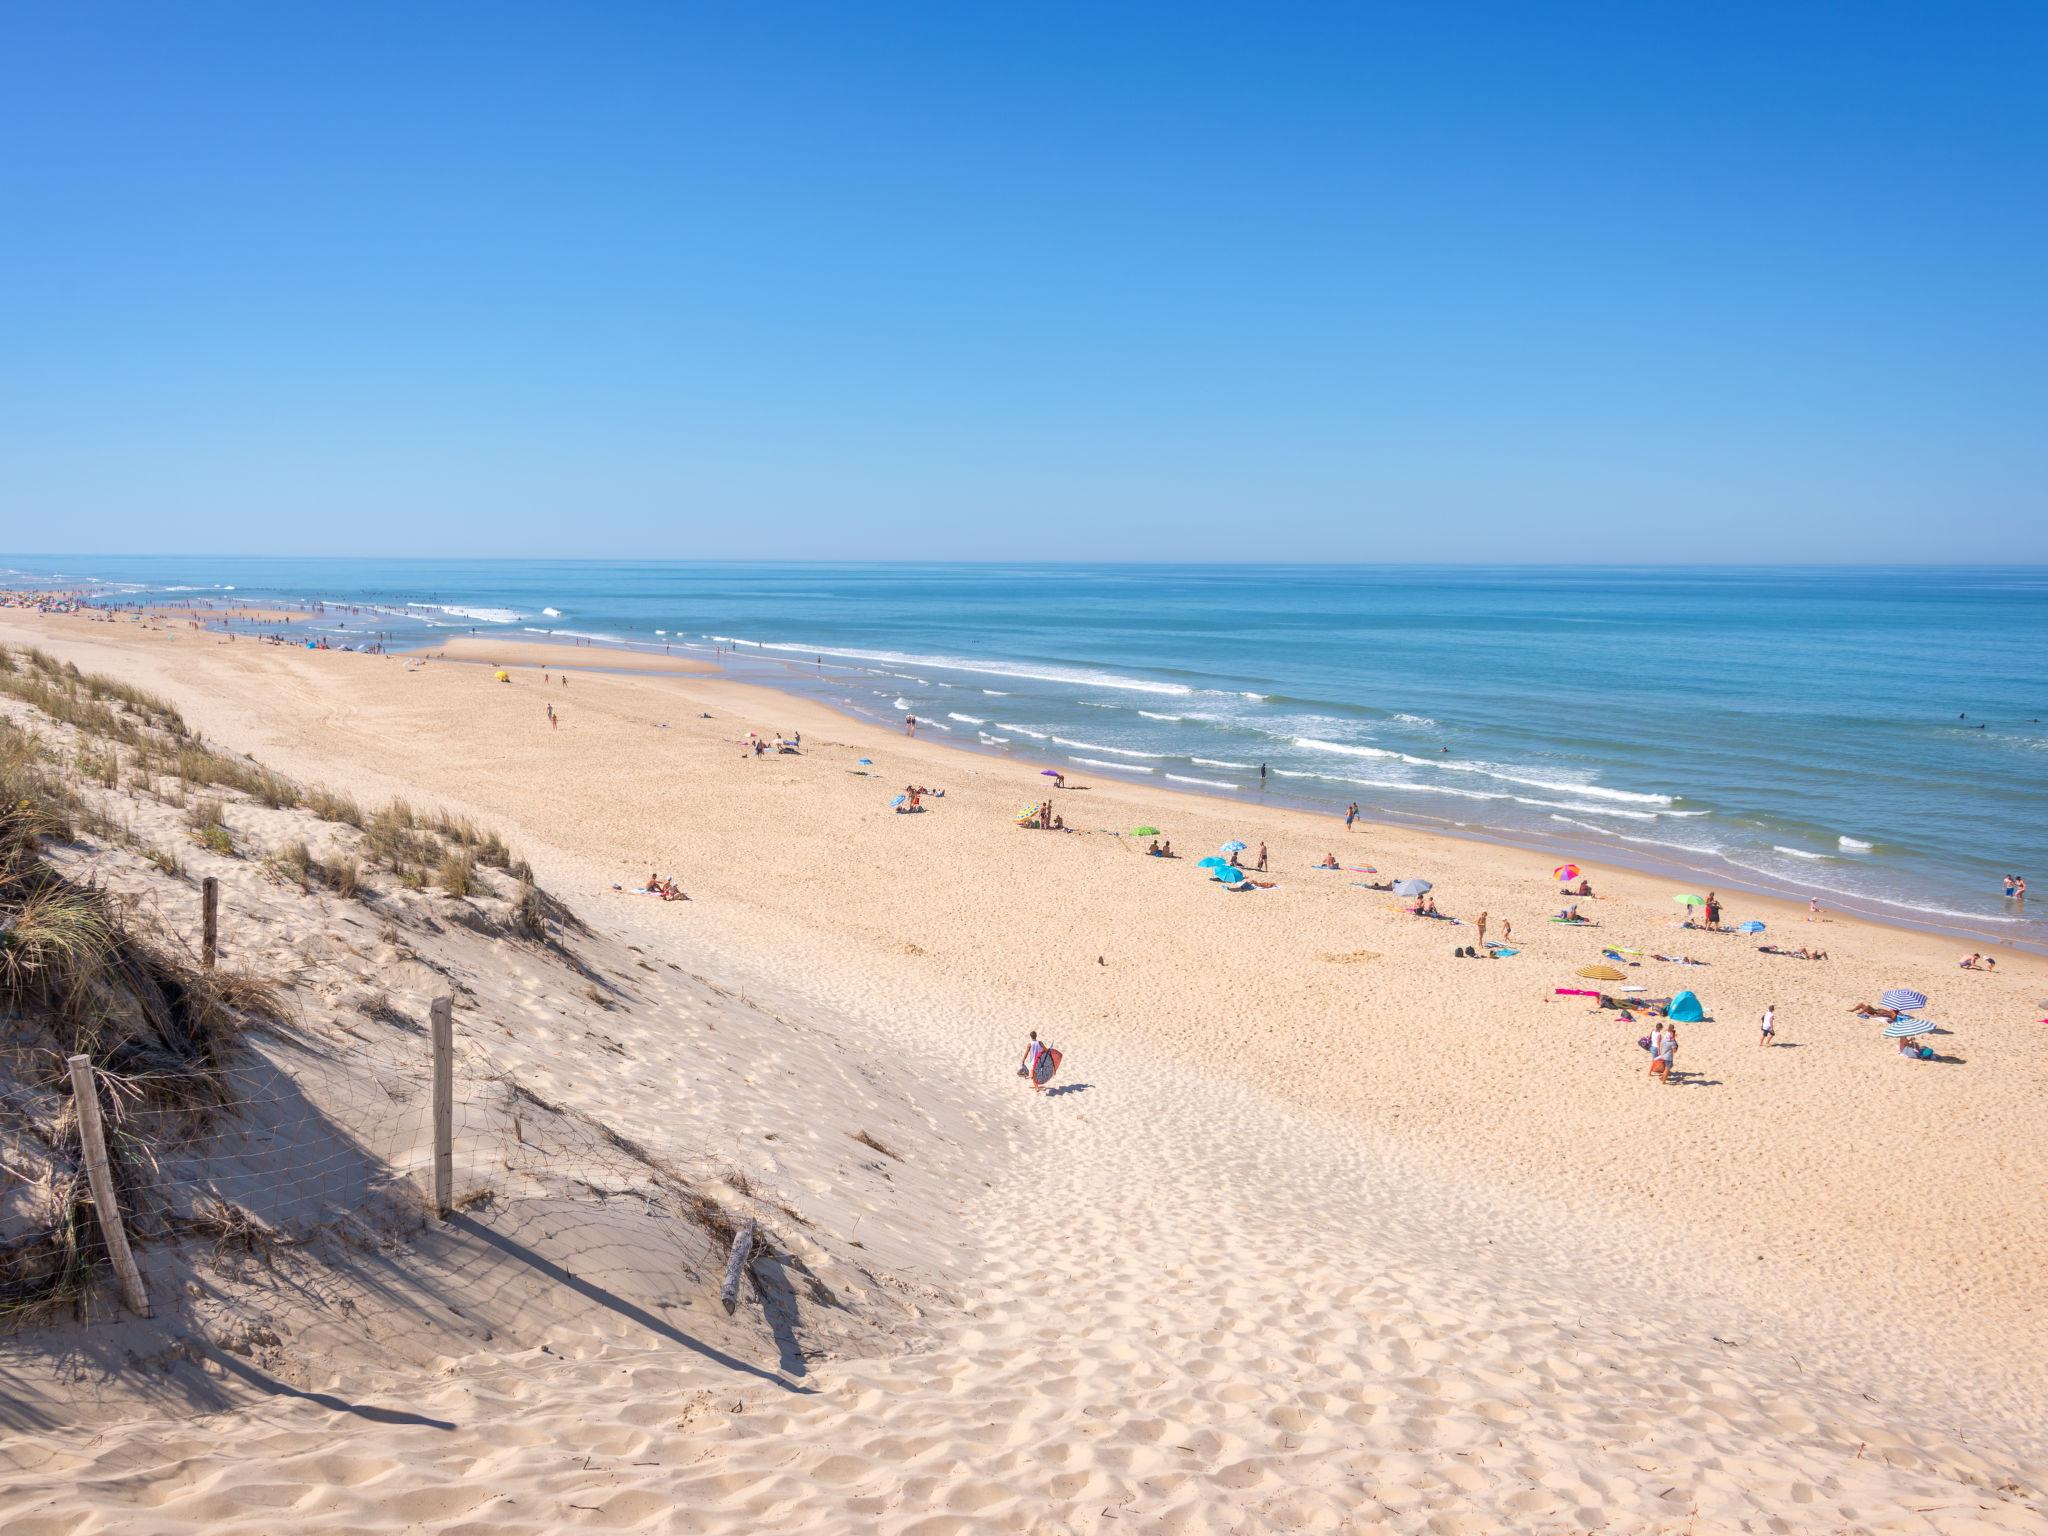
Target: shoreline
{"points": [[783, 677], [786, 676]]}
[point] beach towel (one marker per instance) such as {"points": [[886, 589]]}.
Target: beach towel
{"points": [[1502, 950]]}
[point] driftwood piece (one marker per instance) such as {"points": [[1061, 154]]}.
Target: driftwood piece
{"points": [[736, 1265]]}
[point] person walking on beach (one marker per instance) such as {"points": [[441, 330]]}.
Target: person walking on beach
{"points": [[1770, 1035], [1262, 775], [1350, 815], [1482, 931], [1029, 1071], [1657, 1049], [1262, 858], [1668, 1058], [910, 725], [1813, 909]]}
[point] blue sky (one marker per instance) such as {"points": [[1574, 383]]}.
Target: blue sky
{"points": [[1092, 281]]}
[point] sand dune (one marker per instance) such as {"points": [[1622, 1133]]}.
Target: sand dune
{"points": [[1328, 1230]]}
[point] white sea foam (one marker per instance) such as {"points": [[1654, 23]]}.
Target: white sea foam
{"points": [[1310, 744], [997, 693], [1096, 746], [1797, 853], [992, 740], [1217, 762], [456, 610], [556, 613], [577, 634], [1089, 677], [1181, 778], [1488, 770], [900, 704], [1150, 715], [1021, 730], [1407, 719], [1094, 762], [967, 719], [1854, 844]]}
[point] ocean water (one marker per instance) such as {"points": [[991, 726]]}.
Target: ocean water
{"points": [[1873, 736]]}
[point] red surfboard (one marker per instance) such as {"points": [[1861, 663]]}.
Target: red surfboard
{"points": [[1048, 1063]]}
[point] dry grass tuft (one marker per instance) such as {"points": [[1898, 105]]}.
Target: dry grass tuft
{"points": [[457, 873], [335, 806], [293, 864], [345, 875]]}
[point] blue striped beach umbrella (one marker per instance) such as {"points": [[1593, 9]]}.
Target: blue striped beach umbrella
{"points": [[1904, 998], [1752, 926], [1905, 1027], [1233, 846], [1412, 887]]}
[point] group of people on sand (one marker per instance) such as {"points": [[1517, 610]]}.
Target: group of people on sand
{"points": [[915, 795], [1801, 953], [1977, 962], [1045, 819], [667, 890], [759, 745], [1709, 914], [1161, 850]]}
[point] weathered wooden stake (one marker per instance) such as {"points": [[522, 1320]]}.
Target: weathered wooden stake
{"points": [[209, 921], [92, 1141], [736, 1266], [442, 1017]]}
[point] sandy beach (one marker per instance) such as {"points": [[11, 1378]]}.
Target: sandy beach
{"points": [[1331, 1229], [490, 651]]}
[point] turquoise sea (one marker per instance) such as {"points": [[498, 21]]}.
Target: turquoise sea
{"points": [[1874, 736]]}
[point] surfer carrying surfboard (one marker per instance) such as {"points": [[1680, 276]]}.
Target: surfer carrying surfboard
{"points": [[1040, 1062]]}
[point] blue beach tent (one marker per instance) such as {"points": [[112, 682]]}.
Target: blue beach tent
{"points": [[1686, 1009]]}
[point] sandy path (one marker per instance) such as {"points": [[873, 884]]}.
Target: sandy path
{"points": [[1231, 1321]]}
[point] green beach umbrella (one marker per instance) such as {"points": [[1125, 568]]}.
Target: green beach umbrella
{"points": [[1144, 831], [1690, 901]]}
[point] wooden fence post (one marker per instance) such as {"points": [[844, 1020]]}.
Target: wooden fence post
{"points": [[736, 1265], [209, 921], [443, 1020], [92, 1141]]}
